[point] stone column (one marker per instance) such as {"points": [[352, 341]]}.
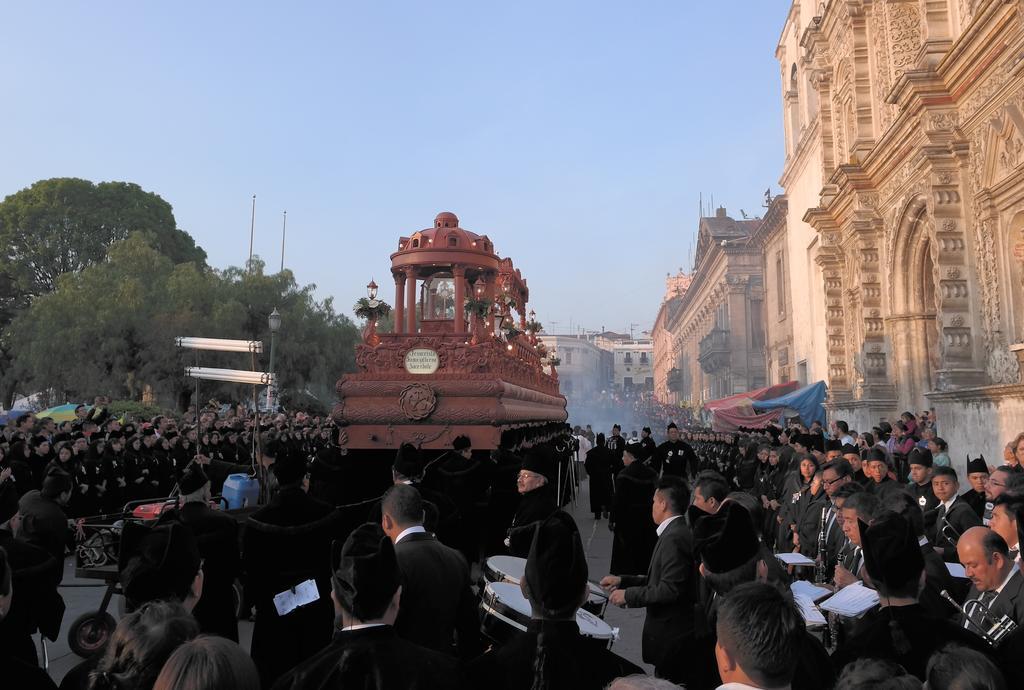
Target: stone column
{"points": [[738, 376], [410, 300], [459, 277], [399, 302]]}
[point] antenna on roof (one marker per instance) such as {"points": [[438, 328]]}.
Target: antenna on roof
{"points": [[700, 211]]}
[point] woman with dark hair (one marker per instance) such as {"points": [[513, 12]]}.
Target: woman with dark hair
{"points": [[141, 644], [797, 483], [208, 662]]}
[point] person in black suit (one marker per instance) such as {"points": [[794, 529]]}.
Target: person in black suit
{"points": [[630, 517], [217, 538], [936, 575], [668, 590], [674, 456], [953, 517], [17, 671], [35, 575], [286, 543], [616, 444], [901, 630], [921, 461], [877, 467], [465, 478], [551, 654], [365, 651], [996, 581], [977, 476], [438, 609], [536, 503], [598, 464]]}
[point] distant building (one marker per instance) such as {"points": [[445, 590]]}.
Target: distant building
{"points": [[710, 337], [666, 345], [582, 372]]}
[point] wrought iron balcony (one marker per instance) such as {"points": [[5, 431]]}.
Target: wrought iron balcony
{"points": [[714, 351]]}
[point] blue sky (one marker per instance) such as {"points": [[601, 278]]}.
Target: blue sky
{"points": [[577, 135]]}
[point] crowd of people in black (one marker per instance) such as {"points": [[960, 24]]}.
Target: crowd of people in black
{"points": [[882, 511], [360, 569]]}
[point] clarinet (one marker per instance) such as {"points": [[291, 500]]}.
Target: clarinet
{"points": [[819, 566], [820, 577]]}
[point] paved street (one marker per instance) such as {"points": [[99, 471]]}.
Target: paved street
{"points": [[83, 595]]}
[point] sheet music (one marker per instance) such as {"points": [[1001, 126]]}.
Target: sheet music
{"points": [[794, 559], [303, 593], [804, 588], [956, 570], [851, 601], [811, 614]]}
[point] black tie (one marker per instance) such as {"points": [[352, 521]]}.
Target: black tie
{"points": [[940, 518]]}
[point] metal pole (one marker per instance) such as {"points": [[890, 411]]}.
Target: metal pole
{"points": [[252, 231], [270, 386], [284, 226]]}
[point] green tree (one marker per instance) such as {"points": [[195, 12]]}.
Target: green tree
{"points": [[110, 329], [62, 226]]}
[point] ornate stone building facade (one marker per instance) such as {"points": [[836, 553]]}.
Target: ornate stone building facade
{"points": [[904, 178], [712, 334], [666, 356]]}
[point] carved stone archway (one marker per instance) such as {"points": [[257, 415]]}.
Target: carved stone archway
{"points": [[913, 324]]}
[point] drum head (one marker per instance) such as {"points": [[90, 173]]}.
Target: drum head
{"points": [[506, 568], [592, 626], [505, 600]]}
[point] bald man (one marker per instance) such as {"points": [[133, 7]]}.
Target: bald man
{"points": [[995, 578]]}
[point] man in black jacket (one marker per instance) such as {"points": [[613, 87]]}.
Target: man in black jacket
{"points": [[438, 609], [536, 503], [953, 516], [43, 520], [630, 518], [995, 578], [977, 476], [674, 456], [598, 464], [287, 543], [668, 590], [217, 538], [366, 590]]}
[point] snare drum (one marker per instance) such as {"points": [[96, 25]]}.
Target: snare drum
{"points": [[506, 612], [504, 569], [511, 569]]}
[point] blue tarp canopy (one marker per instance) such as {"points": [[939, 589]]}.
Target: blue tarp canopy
{"points": [[806, 402]]}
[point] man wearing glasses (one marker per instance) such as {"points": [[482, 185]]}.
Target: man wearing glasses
{"points": [[1001, 479], [834, 475]]}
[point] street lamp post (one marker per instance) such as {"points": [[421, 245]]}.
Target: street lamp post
{"points": [[274, 321]]}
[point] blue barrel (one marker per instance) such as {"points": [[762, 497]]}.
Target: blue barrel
{"points": [[240, 490]]}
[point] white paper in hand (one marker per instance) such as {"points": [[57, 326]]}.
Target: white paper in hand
{"points": [[303, 593]]}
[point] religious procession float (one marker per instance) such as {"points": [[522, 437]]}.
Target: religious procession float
{"points": [[463, 357]]}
